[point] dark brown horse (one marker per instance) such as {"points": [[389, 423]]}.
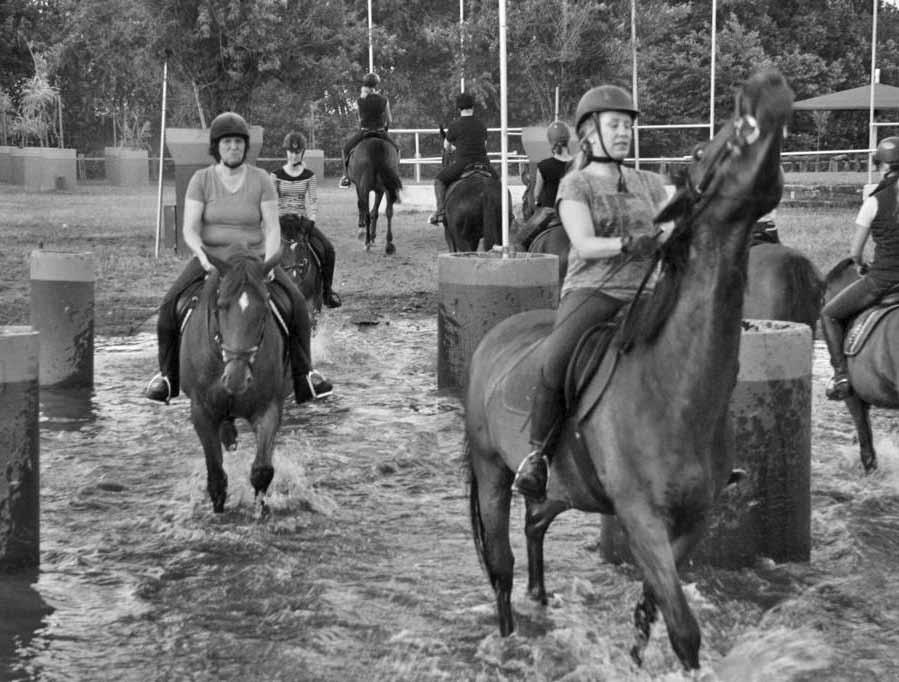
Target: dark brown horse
{"points": [[474, 210], [374, 167], [234, 365], [874, 369], [300, 261], [648, 436]]}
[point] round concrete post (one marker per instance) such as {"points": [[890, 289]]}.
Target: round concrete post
{"points": [[768, 514], [62, 310], [19, 447], [477, 290]]}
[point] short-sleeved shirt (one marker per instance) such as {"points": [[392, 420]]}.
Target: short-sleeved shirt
{"points": [[297, 194], [615, 214], [551, 170], [469, 136], [231, 218]]}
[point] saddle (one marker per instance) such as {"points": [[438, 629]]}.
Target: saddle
{"points": [[541, 220], [865, 322], [475, 168]]}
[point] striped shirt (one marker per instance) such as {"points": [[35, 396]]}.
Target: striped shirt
{"points": [[297, 194]]}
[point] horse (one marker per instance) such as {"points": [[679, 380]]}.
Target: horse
{"points": [[300, 261], [783, 284], [873, 369], [234, 364], [648, 435], [473, 208], [374, 166]]}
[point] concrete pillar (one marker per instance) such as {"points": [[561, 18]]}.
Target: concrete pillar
{"points": [[62, 310], [769, 513], [477, 290], [19, 448]]}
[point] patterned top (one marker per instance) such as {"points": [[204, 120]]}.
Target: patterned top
{"points": [[615, 214], [231, 218], [297, 194]]}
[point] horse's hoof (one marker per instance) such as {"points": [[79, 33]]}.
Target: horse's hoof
{"points": [[263, 512], [218, 506], [636, 657], [870, 464], [360, 235], [391, 249]]}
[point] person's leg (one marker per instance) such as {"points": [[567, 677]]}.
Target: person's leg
{"points": [[347, 150], [307, 382], [834, 316], [441, 182], [325, 250], [578, 311], [166, 384]]}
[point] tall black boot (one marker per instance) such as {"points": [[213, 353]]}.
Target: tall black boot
{"points": [[546, 417], [439, 216], [838, 388], [329, 297], [166, 384]]}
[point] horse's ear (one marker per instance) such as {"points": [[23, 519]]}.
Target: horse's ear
{"points": [[678, 206]]}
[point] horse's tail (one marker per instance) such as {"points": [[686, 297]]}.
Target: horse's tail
{"points": [[806, 288], [492, 218], [392, 182], [474, 508]]}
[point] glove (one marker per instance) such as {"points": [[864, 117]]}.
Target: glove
{"points": [[641, 248]]}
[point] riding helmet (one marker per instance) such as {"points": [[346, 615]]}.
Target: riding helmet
{"points": [[604, 98], [888, 151], [464, 101], [371, 80], [224, 125], [294, 141], [557, 133]]}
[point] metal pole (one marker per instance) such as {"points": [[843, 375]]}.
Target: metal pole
{"points": [[556, 118], [371, 59], [462, 44], [634, 79], [503, 124], [872, 133], [165, 75], [712, 71]]}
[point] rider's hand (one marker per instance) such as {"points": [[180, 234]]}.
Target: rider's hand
{"points": [[206, 264], [861, 268], [643, 247]]}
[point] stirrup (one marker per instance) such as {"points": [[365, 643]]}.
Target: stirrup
{"points": [[157, 397], [838, 387], [437, 218], [316, 395]]}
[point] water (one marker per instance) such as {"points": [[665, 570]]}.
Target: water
{"points": [[366, 569]]}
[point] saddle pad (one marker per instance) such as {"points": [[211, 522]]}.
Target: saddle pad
{"points": [[863, 325]]}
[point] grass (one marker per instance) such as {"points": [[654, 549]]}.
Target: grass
{"points": [[117, 225]]}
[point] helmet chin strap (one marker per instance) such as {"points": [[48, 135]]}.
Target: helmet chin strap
{"points": [[587, 148]]}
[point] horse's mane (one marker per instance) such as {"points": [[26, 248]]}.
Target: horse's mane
{"points": [[646, 323], [244, 270]]}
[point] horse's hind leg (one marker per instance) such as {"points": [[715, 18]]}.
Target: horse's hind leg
{"points": [[490, 496], [216, 478], [389, 248], [373, 217], [654, 554], [362, 208], [860, 412], [262, 472], [536, 524]]}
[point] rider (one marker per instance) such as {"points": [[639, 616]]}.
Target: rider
{"points": [[607, 210], [879, 217], [551, 169], [469, 137], [297, 189], [232, 203], [373, 111]]}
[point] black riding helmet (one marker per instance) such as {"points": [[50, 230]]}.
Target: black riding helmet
{"points": [[888, 151], [591, 105], [371, 80], [464, 101], [227, 124]]}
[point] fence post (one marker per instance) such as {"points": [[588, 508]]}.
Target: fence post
{"points": [[417, 159]]}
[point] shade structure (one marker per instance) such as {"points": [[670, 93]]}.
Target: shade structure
{"points": [[885, 97]]}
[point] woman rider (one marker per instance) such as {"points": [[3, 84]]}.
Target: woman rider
{"points": [[551, 169], [297, 189], [607, 210], [373, 110], [232, 203], [879, 218]]}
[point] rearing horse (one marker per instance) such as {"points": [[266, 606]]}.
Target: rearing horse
{"points": [[374, 166], [234, 364], [648, 436]]}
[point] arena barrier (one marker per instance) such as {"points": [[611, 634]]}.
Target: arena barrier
{"points": [[477, 290], [19, 448], [62, 310], [768, 514]]}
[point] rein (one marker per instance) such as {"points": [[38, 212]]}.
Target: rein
{"points": [[228, 353]]}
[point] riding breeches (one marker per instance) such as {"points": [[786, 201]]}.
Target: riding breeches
{"points": [[299, 324], [167, 333], [325, 250], [579, 310], [454, 171], [835, 315]]}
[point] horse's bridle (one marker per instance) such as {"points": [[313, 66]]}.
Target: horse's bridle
{"points": [[248, 354]]}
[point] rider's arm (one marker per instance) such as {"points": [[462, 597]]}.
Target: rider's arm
{"points": [[312, 198], [578, 224], [192, 230], [862, 228], [387, 116], [538, 184], [271, 229]]}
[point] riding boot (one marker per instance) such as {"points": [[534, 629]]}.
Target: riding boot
{"points": [[329, 297], [438, 216], [165, 385], [546, 415], [345, 178], [838, 388]]}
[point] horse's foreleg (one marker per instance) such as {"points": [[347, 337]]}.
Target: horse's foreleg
{"points": [[648, 539], [645, 615], [490, 496], [536, 523], [216, 478], [262, 472], [389, 248], [860, 412]]}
